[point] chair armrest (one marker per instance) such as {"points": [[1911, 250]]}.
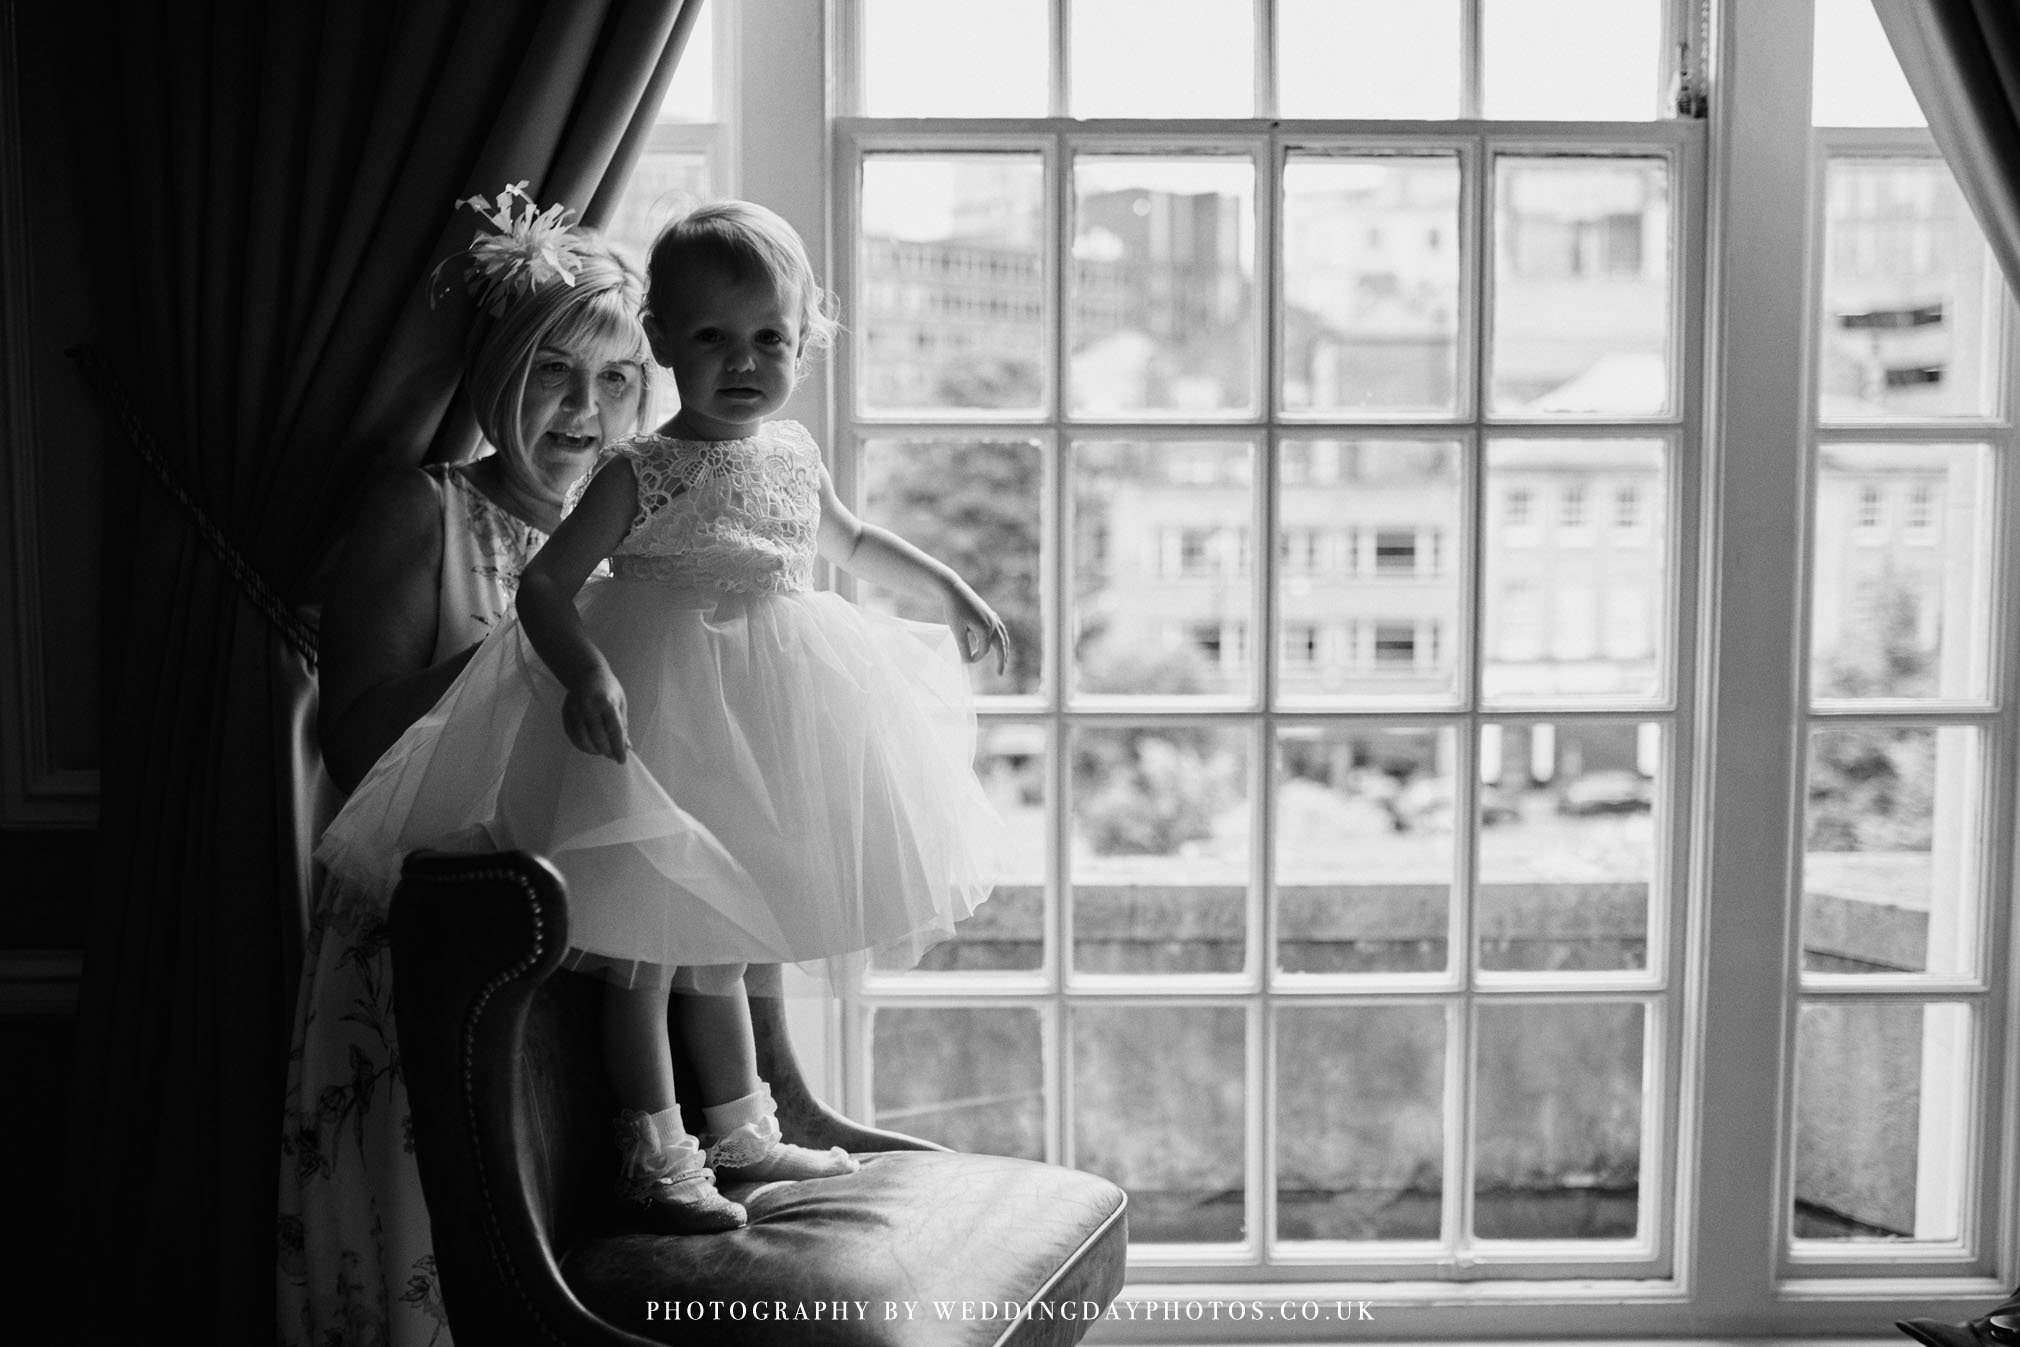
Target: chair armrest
{"points": [[473, 938]]}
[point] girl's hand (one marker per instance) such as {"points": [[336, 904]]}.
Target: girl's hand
{"points": [[593, 716], [976, 627]]}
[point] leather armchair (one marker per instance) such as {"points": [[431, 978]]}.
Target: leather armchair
{"points": [[512, 1130], [1996, 1327]]}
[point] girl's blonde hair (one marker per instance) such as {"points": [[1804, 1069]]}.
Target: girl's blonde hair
{"points": [[748, 243], [602, 307]]}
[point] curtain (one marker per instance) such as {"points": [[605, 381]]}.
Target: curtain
{"points": [[1962, 59], [277, 182]]}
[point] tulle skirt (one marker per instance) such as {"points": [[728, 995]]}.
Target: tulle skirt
{"points": [[801, 785]]}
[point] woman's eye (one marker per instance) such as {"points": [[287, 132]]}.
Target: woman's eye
{"points": [[707, 334], [554, 369], [616, 378]]}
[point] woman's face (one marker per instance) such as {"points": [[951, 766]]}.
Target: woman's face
{"points": [[578, 399]]}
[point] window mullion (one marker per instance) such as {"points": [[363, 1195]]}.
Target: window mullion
{"points": [[1476, 287], [1061, 64], [1266, 650], [1730, 1162]]}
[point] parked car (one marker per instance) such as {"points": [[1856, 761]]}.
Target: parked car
{"points": [[1610, 791], [1425, 805]]}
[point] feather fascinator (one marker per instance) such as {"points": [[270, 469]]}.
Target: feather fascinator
{"points": [[524, 249]]}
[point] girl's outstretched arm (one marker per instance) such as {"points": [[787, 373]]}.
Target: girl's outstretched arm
{"points": [[593, 711], [880, 556]]}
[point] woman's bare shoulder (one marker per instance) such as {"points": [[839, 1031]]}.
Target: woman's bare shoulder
{"points": [[404, 496], [399, 515]]}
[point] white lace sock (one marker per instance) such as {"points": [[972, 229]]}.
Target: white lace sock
{"points": [[663, 1179], [744, 1144]]}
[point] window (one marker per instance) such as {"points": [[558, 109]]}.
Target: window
{"points": [[1303, 551], [1301, 642], [1196, 359], [1627, 508], [1907, 734], [1571, 506], [689, 152], [1189, 965], [1920, 519], [1395, 552], [1395, 644], [1872, 517]]}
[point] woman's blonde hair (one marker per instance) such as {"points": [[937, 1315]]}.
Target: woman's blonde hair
{"points": [[603, 307], [749, 243]]}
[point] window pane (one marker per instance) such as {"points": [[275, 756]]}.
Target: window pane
{"points": [[1574, 602], [975, 505], [1900, 604], [970, 1079], [690, 94], [952, 292], [1370, 555], [1163, 299], [1581, 287], [1883, 1114], [1371, 284], [927, 58], [1360, 1122], [1163, 567], [1567, 845], [1364, 850], [1572, 60], [665, 183], [1856, 81], [1376, 59], [1007, 933], [1162, 58], [1158, 1109], [1890, 872], [1160, 852], [1909, 320], [1558, 1093]]}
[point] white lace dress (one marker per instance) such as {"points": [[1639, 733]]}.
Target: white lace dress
{"points": [[801, 787], [356, 1258]]}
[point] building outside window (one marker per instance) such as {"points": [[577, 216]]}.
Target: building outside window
{"points": [[1372, 934]]}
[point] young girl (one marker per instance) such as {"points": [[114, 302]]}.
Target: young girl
{"points": [[726, 764]]}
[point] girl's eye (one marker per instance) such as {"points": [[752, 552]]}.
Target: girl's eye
{"points": [[707, 334], [771, 338]]}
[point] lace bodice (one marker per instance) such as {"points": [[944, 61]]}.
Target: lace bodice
{"points": [[739, 515]]}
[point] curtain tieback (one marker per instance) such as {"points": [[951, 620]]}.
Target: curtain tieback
{"points": [[98, 373]]}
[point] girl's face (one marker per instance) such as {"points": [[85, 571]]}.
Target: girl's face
{"points": [[578, 398], [733, 347]]}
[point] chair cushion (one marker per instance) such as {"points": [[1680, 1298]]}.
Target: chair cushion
{"points": [[918, 1247]]}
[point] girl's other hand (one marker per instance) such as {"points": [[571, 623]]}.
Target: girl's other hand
{"points": [[593, 716], [976, 628]]}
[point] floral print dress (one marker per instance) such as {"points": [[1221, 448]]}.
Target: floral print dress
{"points": [[356, 1259]]}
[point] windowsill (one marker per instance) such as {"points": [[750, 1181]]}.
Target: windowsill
{"points": [[1617, 1313]]}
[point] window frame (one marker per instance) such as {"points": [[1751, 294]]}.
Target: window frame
{"points": [[1815, 1268], [1730, 1273], [1269, 146]]}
